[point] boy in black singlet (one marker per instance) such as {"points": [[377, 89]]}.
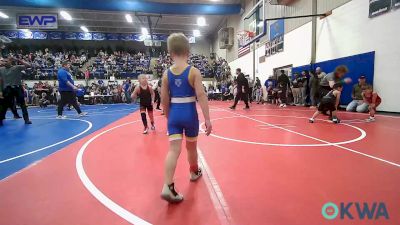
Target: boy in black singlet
{"points": [[330, 102], [146, 96]]}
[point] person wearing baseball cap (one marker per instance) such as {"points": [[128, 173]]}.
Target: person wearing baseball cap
{"points": [[67, 90], [358, 104]]}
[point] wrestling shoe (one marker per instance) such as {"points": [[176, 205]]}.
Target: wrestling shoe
{"points": [[82, 114], [232, 107], [194, 176], [169, 194], [335, 120], [61, 117], [146, 130], [153, 127], [311, 120], [370, 119]]}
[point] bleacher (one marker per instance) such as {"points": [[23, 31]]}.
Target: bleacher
{"points": [[121, 65]]}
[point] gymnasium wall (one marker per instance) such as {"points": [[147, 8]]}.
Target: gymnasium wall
{"points": [[297, 52], [349, 31]]}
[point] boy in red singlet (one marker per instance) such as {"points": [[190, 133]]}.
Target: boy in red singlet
{"points": [[373, 100], [146, 96]]}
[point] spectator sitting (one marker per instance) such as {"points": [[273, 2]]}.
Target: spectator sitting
{"points": [[43, 101], [358, 103]]}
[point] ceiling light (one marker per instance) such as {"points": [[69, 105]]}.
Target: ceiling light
{"points": [[128, 18], [65, 15], [196, 33], [2, 15], [145, 31], [84, 29], [201, 21]]}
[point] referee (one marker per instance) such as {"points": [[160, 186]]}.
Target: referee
{"points": [[11, 87], [242, 89], [67, 90]]}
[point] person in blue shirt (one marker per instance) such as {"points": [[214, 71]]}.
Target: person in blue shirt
{"points": [[67, 90], [181, 85]]}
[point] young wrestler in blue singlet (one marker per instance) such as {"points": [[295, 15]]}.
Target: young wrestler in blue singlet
{"points": [[181, 84]]}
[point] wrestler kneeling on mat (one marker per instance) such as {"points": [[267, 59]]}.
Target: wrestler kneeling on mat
{"points": [[181, 84], [146, 96], [330, 102]]}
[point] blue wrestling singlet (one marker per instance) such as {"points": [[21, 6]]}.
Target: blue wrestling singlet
{"points": [[183, 116]]}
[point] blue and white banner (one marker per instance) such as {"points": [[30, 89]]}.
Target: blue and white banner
{"points": [[71, 36], [22, 34], [112, 37], [55, 35], [37, 21], [85, 36], [99, 36], [59, 35], [38, 35]]}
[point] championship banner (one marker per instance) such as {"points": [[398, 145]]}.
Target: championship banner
{"points": [[378, 7], [276, 29], [37, 21], [274, 46]]}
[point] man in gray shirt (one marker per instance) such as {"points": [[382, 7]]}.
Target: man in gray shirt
{"points": [[12, 88]]}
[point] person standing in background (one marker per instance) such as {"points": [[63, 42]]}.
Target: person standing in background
{"points": [[67, 91], [314, 86], [295, 89], [304, 88], [12, 88], [242, 89], [283, 81], [251, 86]]}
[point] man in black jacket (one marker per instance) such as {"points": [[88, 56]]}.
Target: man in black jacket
{"points": [[242, 89], [283, 82]]}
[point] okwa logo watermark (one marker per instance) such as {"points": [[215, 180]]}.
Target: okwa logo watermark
{"points": [[355, 210]]}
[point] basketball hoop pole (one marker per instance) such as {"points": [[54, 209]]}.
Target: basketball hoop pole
{"points": [[296, 17]]}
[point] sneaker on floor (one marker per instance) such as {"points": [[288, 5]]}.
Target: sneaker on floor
{"points": [[371, 119], [146, 131], [61, 117], [335, 120], [28, 122], [169, 194], [232, 107], [153, 127], [247, 107], [195, 175], [17, 117], [283, 106], [311, 120], [82, 114]]}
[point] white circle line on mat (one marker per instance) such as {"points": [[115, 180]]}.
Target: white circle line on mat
{"points": [[52, 145], [362, 136]]}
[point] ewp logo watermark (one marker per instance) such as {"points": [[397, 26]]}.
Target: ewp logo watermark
{"points": [[355, 210]]}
